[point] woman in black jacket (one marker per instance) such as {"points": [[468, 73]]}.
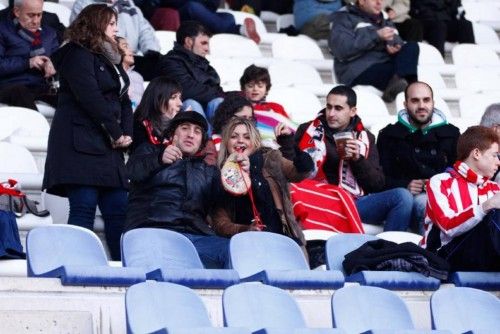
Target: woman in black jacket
{"points": [[92, 125]]}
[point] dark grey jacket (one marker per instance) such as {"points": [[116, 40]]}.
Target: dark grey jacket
{"points": [[355, 44]]}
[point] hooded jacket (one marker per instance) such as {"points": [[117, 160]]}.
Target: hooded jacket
{"points": [[408, 153]]}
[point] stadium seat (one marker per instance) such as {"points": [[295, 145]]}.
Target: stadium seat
{"points": [[430, 57], [477, 79], [371, 108], [366, 309], [31, 128], [486, 37], [483, 12], [461, 310], [439, 103], [477, 280], [302, 106], [18, 164], [265, 309], [284, 21], [76, 256], [400, 237], [474, 55], [301, 48], [45, 109], [340, 245], [299, 75], [230, 71], [472, 106], [436, 81], [63, 12], [171, 257], [160, 307], [277, 260], [236, 46], [166, 39]]}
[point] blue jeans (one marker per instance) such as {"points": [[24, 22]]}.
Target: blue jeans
{"points": [[215, 22], [83, 201], [207, 112], [306, 10], [418, 213], [392, 206], [213, 250]]}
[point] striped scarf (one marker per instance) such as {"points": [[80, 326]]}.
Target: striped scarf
{"points": [[34, 38]]}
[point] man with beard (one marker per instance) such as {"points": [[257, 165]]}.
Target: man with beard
{"points": [[418, 146]]}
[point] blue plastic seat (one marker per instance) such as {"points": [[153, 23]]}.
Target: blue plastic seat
{"points": [[477, 280], [264, 309], [171, 257], [341, 244], [161, 307], [277, 260], [462, 310], [76, 256], [360, 309]]}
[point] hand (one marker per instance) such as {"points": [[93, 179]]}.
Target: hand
{"points": [[416, 186], [48, 69], [392, 49], [256, 226], [122, 142], [242, 160], [38, 62], [171, 154], [352, 149], [492, 203], [391, 14], [386, 33], [282, 130]]}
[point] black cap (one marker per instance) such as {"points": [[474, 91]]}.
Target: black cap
{"points": [[187, 117]]}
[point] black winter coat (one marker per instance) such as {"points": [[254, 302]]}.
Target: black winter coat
{"points": [[92, 111], [176, 196], [199, 80], [406, 155]]}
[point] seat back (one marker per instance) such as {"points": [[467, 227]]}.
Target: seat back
{"points": [[358, 309], [50, 247], [256, 306], [439, 103], [474, 55], [230, 70], [341, 244], [152, 306], [166, 39], [465, 309], [156, 247], [477, 79], [300, 105], [233, 46], [252, 252], [473, 105], [484, 34], [16, 159], [30, 122], [295, 48], [284, 21], [62, 12], [429, 55], [289, 73]]}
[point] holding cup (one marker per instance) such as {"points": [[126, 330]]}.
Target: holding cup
{"points": [[341, 139]]}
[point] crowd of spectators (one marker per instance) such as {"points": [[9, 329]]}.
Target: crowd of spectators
{"points": [[202, 161]]}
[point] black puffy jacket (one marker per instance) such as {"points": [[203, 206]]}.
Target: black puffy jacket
{"points": [[176, 196]]}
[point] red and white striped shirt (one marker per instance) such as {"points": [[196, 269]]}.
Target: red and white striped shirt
{"points": [[454, 204]]}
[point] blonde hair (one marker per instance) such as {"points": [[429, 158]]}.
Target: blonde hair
{"points": [[228, 130]]}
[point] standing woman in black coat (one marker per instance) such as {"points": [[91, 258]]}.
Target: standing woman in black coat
{"points": [[92, 125]]}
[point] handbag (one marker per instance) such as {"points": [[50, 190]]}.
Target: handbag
{"points": [[14, 200]]}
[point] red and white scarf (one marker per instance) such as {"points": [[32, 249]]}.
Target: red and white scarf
{"points": [[313, 142], [468, 174]]}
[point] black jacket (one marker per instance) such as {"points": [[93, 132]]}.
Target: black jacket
{"points": [[440, 10], [177, 196], [92, 111], [407, 153], [199, 80]]}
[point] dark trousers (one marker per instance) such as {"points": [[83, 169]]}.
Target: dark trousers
{"points": [[477, 249], [24, 96], [438, 32], [410, 30], [403, 64], [215, 22], [213, 250], [83, 201]]}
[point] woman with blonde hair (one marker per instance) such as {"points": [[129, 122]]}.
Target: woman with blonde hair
{"points": [[260, 198], [92, 125]]}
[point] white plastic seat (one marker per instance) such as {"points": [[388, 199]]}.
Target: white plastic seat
{"points": [[318, 234], [284, 21], [485, 36], [45, 109], [233, 46], [298, 75], [472, 106], [400, 237], [230, 71], [370, 107], [477, 79], [483, 12], [166, 39], [301, 48], [301, 106], [32, 129], [436, 81], [430, 57], [268, 16], [63, 12], [439, 103], [474, 55]]}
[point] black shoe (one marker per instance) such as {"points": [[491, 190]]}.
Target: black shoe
{"points": [[396, 85]]}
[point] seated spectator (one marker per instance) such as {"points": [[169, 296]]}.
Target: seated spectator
{"points": [[257, 6], [491, 119], [135, 29], [255, 84], [264, 205], [443, 20], [409, 29], [205, 12], [173, 188], [463, 211], [136, 88], [313, 17], [187, 64], [367, 50], [418, 146], [352, 164], [26, 71]]}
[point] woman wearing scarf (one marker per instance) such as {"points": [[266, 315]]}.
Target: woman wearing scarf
{"points": [[92, 125]]}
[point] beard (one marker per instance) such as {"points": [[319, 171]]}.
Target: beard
{"points": [[420, 121]]}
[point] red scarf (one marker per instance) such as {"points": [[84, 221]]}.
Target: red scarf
{"points": [[467, 173]]}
